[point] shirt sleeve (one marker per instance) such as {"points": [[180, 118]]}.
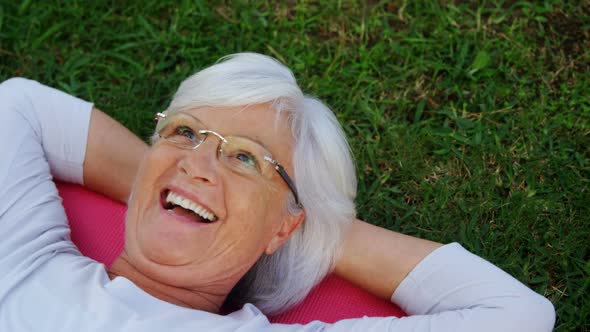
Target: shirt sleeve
{"points": [[58, 121], [454, 290], [43, 132]]}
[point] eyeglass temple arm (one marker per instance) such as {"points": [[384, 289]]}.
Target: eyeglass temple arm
{"points": [[281, 170]]}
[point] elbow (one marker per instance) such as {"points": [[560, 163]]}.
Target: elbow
{"points": [[13, 82], [546, 311], [14, 91], [14, 85], [534, 314]]}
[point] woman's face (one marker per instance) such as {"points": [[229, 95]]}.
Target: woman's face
{"points": [[175, 246]]}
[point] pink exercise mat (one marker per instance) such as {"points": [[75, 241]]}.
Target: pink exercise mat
{"points": [[97, 224]]}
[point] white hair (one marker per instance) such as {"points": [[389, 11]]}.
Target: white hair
{"points": [[324, 174]]}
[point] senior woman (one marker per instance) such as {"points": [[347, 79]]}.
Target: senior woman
{"points": [[245, 196]]}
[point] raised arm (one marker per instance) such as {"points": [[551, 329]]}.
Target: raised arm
{"points": [[442, 288], [378, 259], [60, 124], [113, 154]]}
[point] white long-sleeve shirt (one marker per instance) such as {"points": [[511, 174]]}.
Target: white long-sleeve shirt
{"points": [[47, 285]]}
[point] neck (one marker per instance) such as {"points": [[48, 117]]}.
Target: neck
{"points": [[200, 299]]}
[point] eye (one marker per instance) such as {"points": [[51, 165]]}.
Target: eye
{"points": [[247, 159], [186, 132]]}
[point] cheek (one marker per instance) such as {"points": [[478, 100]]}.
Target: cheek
{"points": [[256, 207], [249, 197], [154, 164]]}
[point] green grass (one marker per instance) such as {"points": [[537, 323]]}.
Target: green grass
{"points": [[469, 120]]}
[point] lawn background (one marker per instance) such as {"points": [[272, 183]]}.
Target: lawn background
{"points": [[469, 120]]}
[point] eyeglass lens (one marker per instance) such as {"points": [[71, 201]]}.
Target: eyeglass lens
{"points": [[239, 154]]}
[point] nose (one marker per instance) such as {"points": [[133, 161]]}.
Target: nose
{"points": [[201, 163]]}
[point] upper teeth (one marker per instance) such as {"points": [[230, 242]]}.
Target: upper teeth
{"points": [[190, 205]]}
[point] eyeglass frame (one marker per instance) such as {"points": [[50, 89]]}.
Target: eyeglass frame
{"points": [[277, 166]]}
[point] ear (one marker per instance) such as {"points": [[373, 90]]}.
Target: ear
{"points": [[289, 224]]}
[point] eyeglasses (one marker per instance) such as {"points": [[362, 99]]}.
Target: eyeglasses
{"points": [[240, 154]]}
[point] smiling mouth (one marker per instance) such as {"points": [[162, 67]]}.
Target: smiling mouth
{"points": [[185, 207]]}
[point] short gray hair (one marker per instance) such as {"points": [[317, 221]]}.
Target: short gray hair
{"points": [[323, 173]]}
